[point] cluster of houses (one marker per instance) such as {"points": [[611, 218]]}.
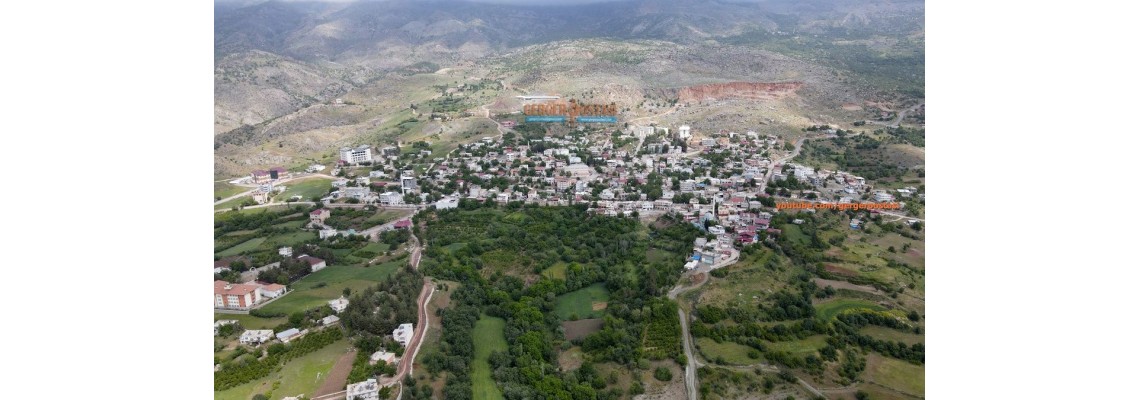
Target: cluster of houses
{"points": [[251, 293]]}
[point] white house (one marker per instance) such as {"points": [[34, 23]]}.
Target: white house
{"points": [[329, 320], [447, 203], [367, 390], [392, 198], [289, 334], [684, 132], [316, 263], [403, 334], [338, 305], [255, 337], [272, 290], [327, 233]]}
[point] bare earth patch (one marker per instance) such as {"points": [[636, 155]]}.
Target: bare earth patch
{"points": [[838, 270], [338, 377], [598, 305], [581, 328]]}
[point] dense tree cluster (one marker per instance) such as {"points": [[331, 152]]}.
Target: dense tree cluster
{"points": [[379, 309], [517, 239]]}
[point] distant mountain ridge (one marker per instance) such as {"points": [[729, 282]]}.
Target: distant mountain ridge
{"points": [[450, 30]]}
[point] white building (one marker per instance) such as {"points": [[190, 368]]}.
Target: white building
{"points": [[327, 233], [447, 203], [289, 334], [403, 334], [285, 251], [272, 290], [883, 196], [339, 305], [391, 198], [355, 155], [255, 337], [329, 320], [367, 390], [684, 132]]}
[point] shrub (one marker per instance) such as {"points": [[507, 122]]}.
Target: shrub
{"points": [[663, 374]]}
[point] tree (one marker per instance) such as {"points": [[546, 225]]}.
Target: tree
{"points": [[913, 315], [346, 292], [663, 374], [861, 395]]}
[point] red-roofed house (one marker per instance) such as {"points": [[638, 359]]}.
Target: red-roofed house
{"points": [[316, 263], [319, 216], [403, 223], [235, 296]]}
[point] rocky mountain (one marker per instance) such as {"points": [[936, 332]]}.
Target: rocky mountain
{"points": [[280, 65]]}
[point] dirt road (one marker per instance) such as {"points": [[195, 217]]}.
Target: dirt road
{"points": [[690, 355]]}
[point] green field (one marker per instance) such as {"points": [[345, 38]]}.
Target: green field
{"points": [[802, 347], [304, 295], [556, 271], [793, 233], [303, 375], [268, 243], [251, 322], [246, 246], [733, 353], [307, 188], [233, 203], [489, 331], [224, 189], [896, 374], [830, 309], [581, 302]]}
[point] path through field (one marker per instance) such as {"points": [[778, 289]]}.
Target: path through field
{"points": [[338, 377]]}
